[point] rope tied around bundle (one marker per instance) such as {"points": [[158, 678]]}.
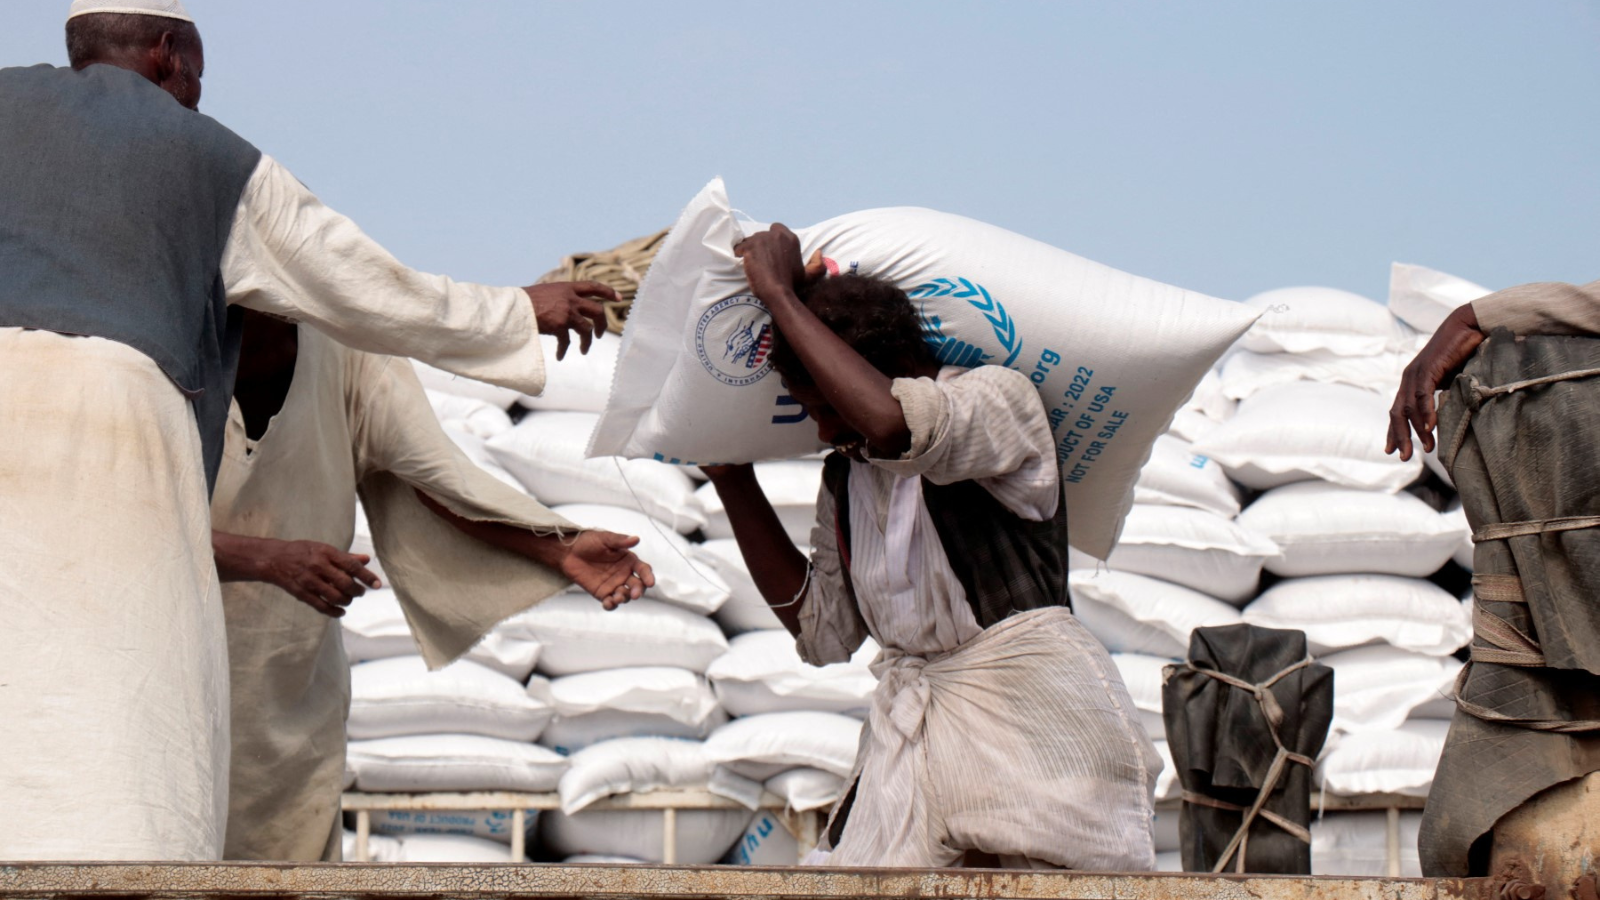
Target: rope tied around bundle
{"points": [[1500, 643], [1518, 431], [1481, 393], [1497, 641], [1272, 711]]}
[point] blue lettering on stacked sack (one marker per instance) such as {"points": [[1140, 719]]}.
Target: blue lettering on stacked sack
{"points": [[952, 351]]}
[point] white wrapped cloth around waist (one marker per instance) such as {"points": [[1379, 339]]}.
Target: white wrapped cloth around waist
{"points": [[1022, 741]]}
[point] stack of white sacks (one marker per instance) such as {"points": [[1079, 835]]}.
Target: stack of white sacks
{"points": [[695, 687], [1272, 502]]}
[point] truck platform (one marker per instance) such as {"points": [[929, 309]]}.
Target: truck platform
{"points": [[364, 881]]}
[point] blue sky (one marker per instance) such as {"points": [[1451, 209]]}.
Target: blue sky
{"points": [[1228, 147]]}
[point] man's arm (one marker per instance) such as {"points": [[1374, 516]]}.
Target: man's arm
{"points": [[1528, 309], [597, 561], [854, 387], [290, 255], [1446, 352], [395, 431], [776, 566], [318, 575]]}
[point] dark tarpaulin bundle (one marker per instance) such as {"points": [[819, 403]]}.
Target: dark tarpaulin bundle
{"points": [[1246, 718], [1520, 434]]}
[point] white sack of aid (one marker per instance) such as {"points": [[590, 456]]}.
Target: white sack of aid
{"points": [[1113, 355]]}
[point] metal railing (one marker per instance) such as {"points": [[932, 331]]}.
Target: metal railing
{"points": [[806, 827]]}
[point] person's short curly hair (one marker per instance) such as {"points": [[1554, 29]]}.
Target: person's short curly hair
{"points": [[98, 37], [872, 315]]}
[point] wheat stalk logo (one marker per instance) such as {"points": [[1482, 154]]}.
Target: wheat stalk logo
{"points": [[1005, 328]]}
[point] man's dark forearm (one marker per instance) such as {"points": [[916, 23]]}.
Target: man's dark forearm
{"points": [[546, 549], [860, 393], [238, 557], [776, 566]]}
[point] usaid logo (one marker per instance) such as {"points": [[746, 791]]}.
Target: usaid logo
{"points": [[734, 341]]}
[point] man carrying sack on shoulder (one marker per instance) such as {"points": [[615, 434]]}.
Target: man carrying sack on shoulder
{"points": [[1000, 733]]}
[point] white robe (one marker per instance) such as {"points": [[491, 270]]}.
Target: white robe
{"points": [[350, 420], [113, 658]]}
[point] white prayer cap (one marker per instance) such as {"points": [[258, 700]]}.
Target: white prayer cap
{"points": [[171, 9]]}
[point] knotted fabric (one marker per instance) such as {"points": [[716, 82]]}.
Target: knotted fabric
{"points": [[1248, 704], [1239, 846], [903, 693]]}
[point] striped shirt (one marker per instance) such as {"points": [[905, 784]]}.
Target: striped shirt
{"points": [[985, 425]]}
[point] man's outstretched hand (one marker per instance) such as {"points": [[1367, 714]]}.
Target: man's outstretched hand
{"points": [[567, 306], [602, 563], [1450, 348]]}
